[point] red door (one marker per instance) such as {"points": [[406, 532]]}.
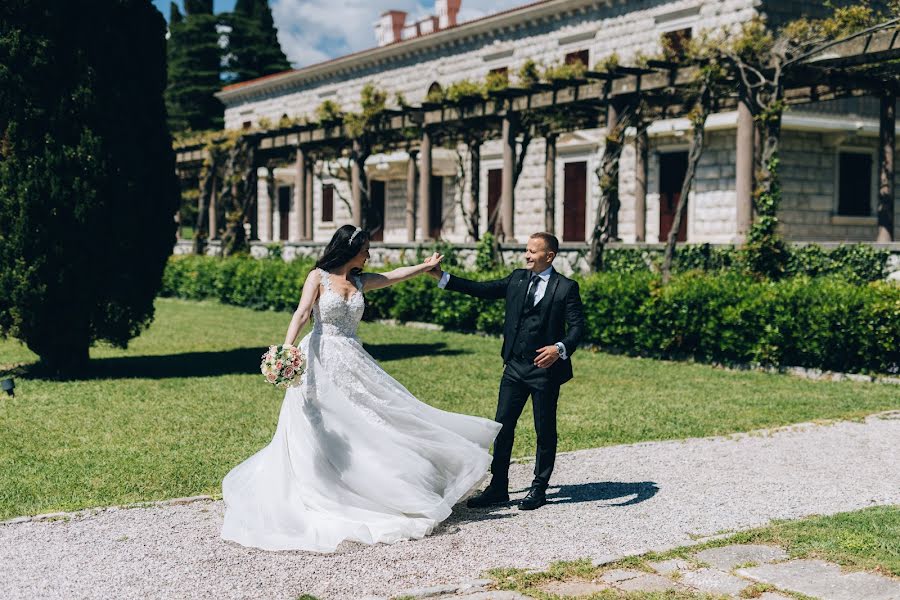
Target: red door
{"points": [[437, 206], [574, 201], [672, 169], [376, 211], [495, 188], [284, 208]]}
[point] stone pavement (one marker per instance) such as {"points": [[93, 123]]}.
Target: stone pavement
{"points": [[736, 571]]}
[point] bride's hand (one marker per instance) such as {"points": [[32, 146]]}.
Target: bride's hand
{"points": [[433, 261]]}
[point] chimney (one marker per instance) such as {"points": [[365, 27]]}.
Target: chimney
{"points": [[446, 12], [389, 27]]}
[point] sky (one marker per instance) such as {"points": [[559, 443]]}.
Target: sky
{"points": [[311, 31]]}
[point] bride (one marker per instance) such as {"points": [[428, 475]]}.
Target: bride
{"points": [[355, 456]]}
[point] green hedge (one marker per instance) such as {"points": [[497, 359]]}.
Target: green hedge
{"points": [[822, 322], [859, 263]]}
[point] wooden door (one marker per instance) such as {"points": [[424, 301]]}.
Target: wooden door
{"points": [[574, 201], [672, 169], [376, 211], [437, 206], [284, 212], [495, 189]]}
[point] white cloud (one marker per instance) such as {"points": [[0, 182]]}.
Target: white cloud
{"points": [[311, 31]]}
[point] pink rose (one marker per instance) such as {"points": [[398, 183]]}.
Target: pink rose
{"points": [[278, 365], [296, 362], [271, 377], [288, 373]]}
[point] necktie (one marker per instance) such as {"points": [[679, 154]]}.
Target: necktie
{"points": [[532, 288]]}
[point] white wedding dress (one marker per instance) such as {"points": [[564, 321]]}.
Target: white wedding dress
{"points": [[355, 456]]}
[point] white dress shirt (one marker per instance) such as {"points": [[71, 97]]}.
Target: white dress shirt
{"points": [[543, 278]]}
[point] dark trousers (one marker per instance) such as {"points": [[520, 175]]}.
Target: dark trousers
{"points": [[522, 379]]}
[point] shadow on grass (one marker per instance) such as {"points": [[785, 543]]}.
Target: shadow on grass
{"points": [[238, 361]]}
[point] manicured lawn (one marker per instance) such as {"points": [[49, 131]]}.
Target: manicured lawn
{"points": [[172, 414]]}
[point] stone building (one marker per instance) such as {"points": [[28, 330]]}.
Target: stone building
{"points": [[829, 157]]}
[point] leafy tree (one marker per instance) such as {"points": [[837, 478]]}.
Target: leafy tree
{"points": [[253, 48], [87, 174], [194, 68]]}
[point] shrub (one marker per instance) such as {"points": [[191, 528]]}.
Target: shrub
{"points": [[823, 322], [87, 175]]}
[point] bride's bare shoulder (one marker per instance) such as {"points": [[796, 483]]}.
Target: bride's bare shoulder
{"points": [[314, 278]]}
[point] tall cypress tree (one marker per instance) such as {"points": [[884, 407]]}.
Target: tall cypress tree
{"points": [[87, 174], [194, 68], [253, 48]]}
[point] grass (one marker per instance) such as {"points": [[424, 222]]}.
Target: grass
{"points": [[172, 414], [864, 540]]}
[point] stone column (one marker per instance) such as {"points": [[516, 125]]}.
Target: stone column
{"points": [[550, 184], [744, 172], [308, 205], [213, 226], [887, 138], [425, 185], [297, 227], [641, 147], [263, 206], [276, 212], [507, 193], [411, 197]]}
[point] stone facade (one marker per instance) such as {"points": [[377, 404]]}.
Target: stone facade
{"points": [[546, 32]]}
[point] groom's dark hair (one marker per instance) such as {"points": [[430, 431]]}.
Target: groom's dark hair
{"points": [[344, 245], [549, 239]]}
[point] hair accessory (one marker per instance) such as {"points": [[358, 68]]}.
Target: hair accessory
{"points": [[354, 235]]}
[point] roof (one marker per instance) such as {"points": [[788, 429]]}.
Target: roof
{"points": [[485, 24]]}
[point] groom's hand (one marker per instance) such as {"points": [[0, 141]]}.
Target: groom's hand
{"points": [[546, 356], [436, 272]]}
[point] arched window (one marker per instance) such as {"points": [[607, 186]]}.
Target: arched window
{"points": [[435, 93]]}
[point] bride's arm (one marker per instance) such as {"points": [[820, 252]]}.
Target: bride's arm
{"points": [[304, 309], [373, 281]]}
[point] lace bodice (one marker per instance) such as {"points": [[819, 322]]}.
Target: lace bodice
{"points": [[332, 315]]}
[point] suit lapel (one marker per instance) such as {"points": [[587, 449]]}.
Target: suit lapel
{"points": [[547, 300], [520, 298]]}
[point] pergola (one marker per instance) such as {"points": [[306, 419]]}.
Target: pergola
{"points": [[859, 65]]}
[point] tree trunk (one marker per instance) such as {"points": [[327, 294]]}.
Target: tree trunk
{"points": [[360, 182], [887, 135], [207, 181], [694, 154], [606, 216], [64, 359], [474, 189], [238, 198], [550, 184]]}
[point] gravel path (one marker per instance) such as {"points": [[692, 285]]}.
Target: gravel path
{"points": [[608, 502]]}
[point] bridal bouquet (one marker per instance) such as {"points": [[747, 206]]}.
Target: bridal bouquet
{"points": [[283, 366]]}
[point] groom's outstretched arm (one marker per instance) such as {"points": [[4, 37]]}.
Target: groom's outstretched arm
{"points": [[574, 319], [490, 290]]}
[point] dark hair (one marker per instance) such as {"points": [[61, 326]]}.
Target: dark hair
{"points": [[340, 249], [549, 239]]}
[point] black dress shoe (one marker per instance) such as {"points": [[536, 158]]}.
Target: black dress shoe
{"points": [[489, 497], [536, 498]]}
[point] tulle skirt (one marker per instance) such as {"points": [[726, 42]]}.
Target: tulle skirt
{"points": [[355, 457]]}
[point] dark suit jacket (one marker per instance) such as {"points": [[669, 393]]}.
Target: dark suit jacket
{"points": [[562, 315]]}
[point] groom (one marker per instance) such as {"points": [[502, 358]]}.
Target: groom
{"points": [[544, 323]]}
